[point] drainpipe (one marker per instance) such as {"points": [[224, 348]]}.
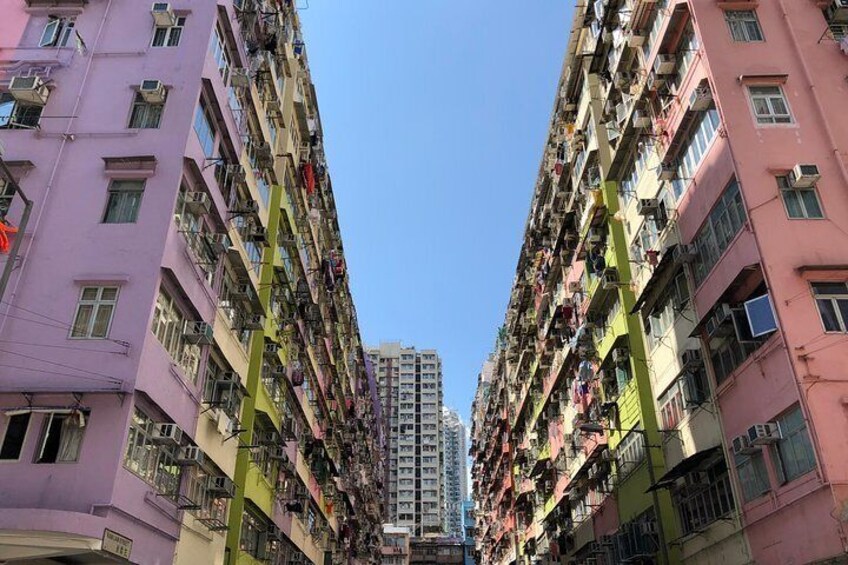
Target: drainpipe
{"points": [[53, 172]]}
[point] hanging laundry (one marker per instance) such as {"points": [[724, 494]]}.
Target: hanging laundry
{"points": [[6, 229], [308, 173], [585, 372]]}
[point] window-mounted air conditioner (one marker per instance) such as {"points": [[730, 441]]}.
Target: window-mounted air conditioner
{"points": [[692, 359], [667, 171], [636, 39], [764, 434], [804, 176], [243, 292], [641, 119], [647, 206], [837, 11], [198, 332], [198, 203], [163, 15], [222, 486], [665, 63], [190, 455], [701, 99], [253, 322], [257, 234], [685, 253], [29, 90], [609, 278], [152, 91], [742, 446], [240, 78], [620, 356], [166, 434], [717, 322]]}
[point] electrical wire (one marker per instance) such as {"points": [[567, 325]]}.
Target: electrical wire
{"points": [[81, 377], [71, 347], [61, 324], [30, 357]]}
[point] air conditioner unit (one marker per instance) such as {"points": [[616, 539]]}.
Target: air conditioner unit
{"points": [[837, 11], [667, 171], [163, 15], [647, 206], [641, 119], [253, 322], [246, 208], [166, 434], [198, 203], [654, 82], [620, 356], [636, 39], [219, 242], [256, 234], [804, 176], [271, 350], [763, 434], [240, 78], [742, 446], [609, 278], [29, 90], [243, 292], [685, 253], [191, 455], [198, 332], [152, 91], [701, 99], [716, 323], [692, 359], [222, 486], [664, 64]]}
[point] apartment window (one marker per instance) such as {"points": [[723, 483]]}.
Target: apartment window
{"points": [[57, 32], [832, 301], [14, 436], [724, 222], [17, 115], [94, 313], [702, 502], [168, 327], [220, 55], [253, 524], [61, 438], [169, 36], [204, 130], [630, 452], [744, 26], [753, 477], [672, 406], [123, 202], [770, 106], [695, 148], [800, 203], [145, 115], [793, 454], [154, 464]]}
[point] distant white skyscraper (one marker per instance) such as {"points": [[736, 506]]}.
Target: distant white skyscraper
{"points": [[410, 383], [455, 470]]}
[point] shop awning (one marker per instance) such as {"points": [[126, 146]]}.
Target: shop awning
{"points": [[691, 463]]}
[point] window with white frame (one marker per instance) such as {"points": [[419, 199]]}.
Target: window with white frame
{"points": [[207, 505], [57, 32], [698, 141], [630, 452], [153, 463], [204, 129], [15, 114], [793, 454], [61, 437], [800, 203], [720, 228], [705, 498], [769, 105], [744, 25], [145, 115], [123, 202], [169, 328], [218, 48], [168, 36], [832, 302], [95, 309]]}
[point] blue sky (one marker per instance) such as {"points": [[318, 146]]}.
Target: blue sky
{"points": [[434, 114]]}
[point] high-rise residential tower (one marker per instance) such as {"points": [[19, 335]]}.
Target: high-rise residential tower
{"points": [[455, 470], [410, 383], [671, 378], [182, 376]]}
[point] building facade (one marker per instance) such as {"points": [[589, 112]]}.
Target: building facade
{"points": [[183, 380], [668, 380], [410, 384], [396, 545], [469, 525], [455, 470]]}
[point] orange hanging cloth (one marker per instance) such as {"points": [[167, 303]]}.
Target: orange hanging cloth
{"points": [[4, 238]]}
